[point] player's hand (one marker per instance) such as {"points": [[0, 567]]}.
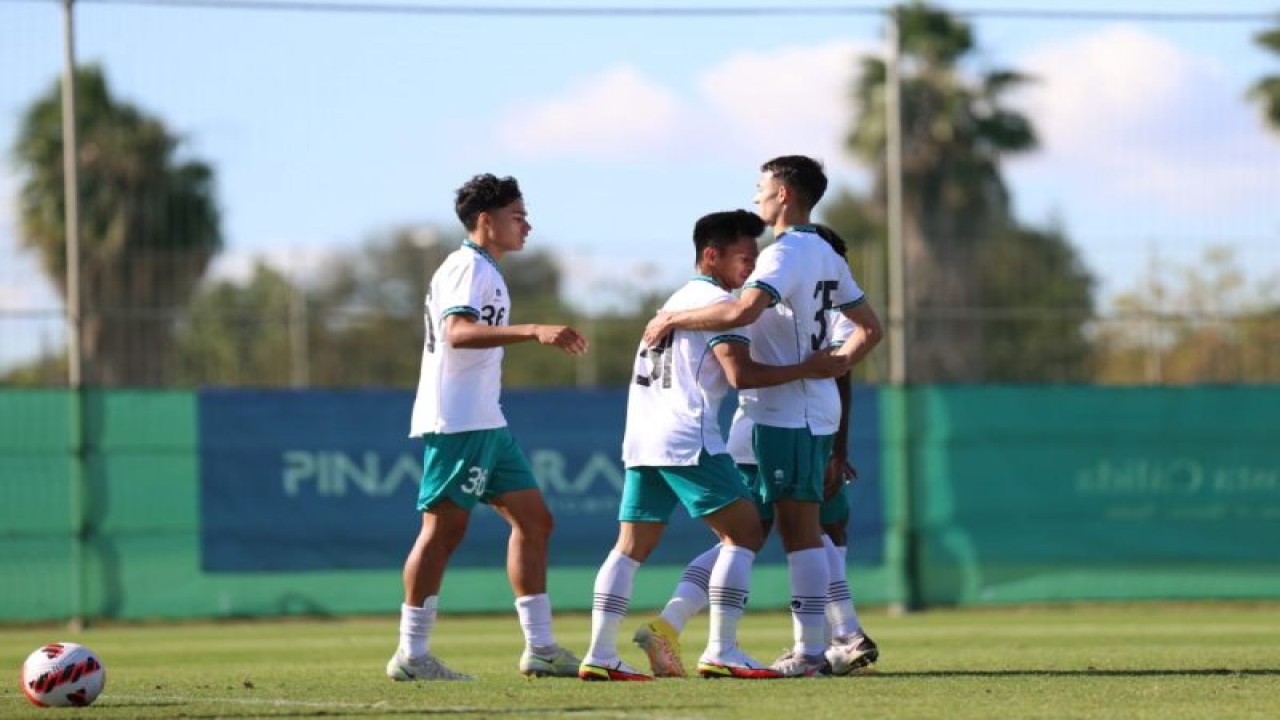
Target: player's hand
{"points": [[657, 329], [564, 337], [824, 364], [839, 472]]}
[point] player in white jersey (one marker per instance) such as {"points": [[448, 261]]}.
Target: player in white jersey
{"points": [[674, 453], [851, 648], [469, 455], [786, 301]]}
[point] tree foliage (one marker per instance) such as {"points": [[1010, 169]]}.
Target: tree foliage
{"points": [[1266, 91], [968, 261], [1037, 299], [1194, 323], [358, 322], [1034, 297], [149, 224], [240, 333]]}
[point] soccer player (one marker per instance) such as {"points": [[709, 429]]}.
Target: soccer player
{"points": [[470, 456], [851, 648], [674, 452], [786, 301]]}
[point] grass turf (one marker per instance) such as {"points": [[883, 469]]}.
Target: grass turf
{"points": [[1147, 660]]}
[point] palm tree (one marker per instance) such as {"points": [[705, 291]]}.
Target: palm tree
{"points": [[149, 225], [955, 132], [1266, 92]]}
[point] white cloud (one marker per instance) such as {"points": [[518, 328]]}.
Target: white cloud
{"points": [[1105, 86], [790, 100], [616, 114], [1126, 115], [758, 104]]}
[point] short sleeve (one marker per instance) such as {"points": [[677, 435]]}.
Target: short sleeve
{"points": [[773, 275], [841, 328], [737, 335], [462, 289], [848, 294]]}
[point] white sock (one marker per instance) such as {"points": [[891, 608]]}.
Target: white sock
{"points": [[534, 612], [842, 616], [807, 571], [609, 603], [730, 584], [690, 595], [415, 627]]}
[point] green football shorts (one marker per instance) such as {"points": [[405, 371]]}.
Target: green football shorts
{"points": [[791, 461], [751, 478], [833, 511], [471, 467], [650, 493]]}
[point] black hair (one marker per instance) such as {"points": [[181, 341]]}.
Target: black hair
{"points": [[833, 239], [484, 193], [802, 174], [721, 229]]}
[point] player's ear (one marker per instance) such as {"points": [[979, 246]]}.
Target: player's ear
{"points": [[784, 194]]}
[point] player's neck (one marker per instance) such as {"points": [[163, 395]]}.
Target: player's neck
{"points": [[493, 251], [708, 274], [788, 218]]}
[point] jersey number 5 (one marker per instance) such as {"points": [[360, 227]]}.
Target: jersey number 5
{"points": [[823, 289]]}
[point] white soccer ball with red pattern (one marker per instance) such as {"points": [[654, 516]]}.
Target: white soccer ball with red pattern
{"points": [[63, 674]]}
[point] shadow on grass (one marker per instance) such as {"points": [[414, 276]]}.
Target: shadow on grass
{"points": [[1088, 672], [264, 710]]}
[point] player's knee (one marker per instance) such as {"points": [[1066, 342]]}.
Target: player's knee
{"points": [[439, 545], [536, 524], [745, 535], [638, 549]]}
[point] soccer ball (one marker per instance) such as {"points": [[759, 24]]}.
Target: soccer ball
{"points": [[63, 674]]}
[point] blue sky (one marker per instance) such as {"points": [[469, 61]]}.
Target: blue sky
{"points": [[327, 128]]}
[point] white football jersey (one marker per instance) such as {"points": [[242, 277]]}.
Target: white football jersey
{"points": [[806, 279], [674, 401], [739, 442], [458, 388]]}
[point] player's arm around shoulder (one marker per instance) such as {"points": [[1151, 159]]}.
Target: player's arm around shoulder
{"points": [[738, 312], [465, 331]]}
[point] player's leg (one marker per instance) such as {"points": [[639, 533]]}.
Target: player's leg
{"points": [[738, 526], [611, 597], [833, 517], [660, 637], [690, 595], [645, 507], [513, 494], [446, 510], [792, 462], [850, 647], [713, 491]]}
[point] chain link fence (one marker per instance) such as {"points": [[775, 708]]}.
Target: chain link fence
{"points": [[1169, 205]]}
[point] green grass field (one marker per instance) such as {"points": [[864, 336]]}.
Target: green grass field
{"points": [[1124, 661]]}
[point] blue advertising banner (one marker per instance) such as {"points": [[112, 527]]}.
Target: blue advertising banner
{"points": [[324, 480]]}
